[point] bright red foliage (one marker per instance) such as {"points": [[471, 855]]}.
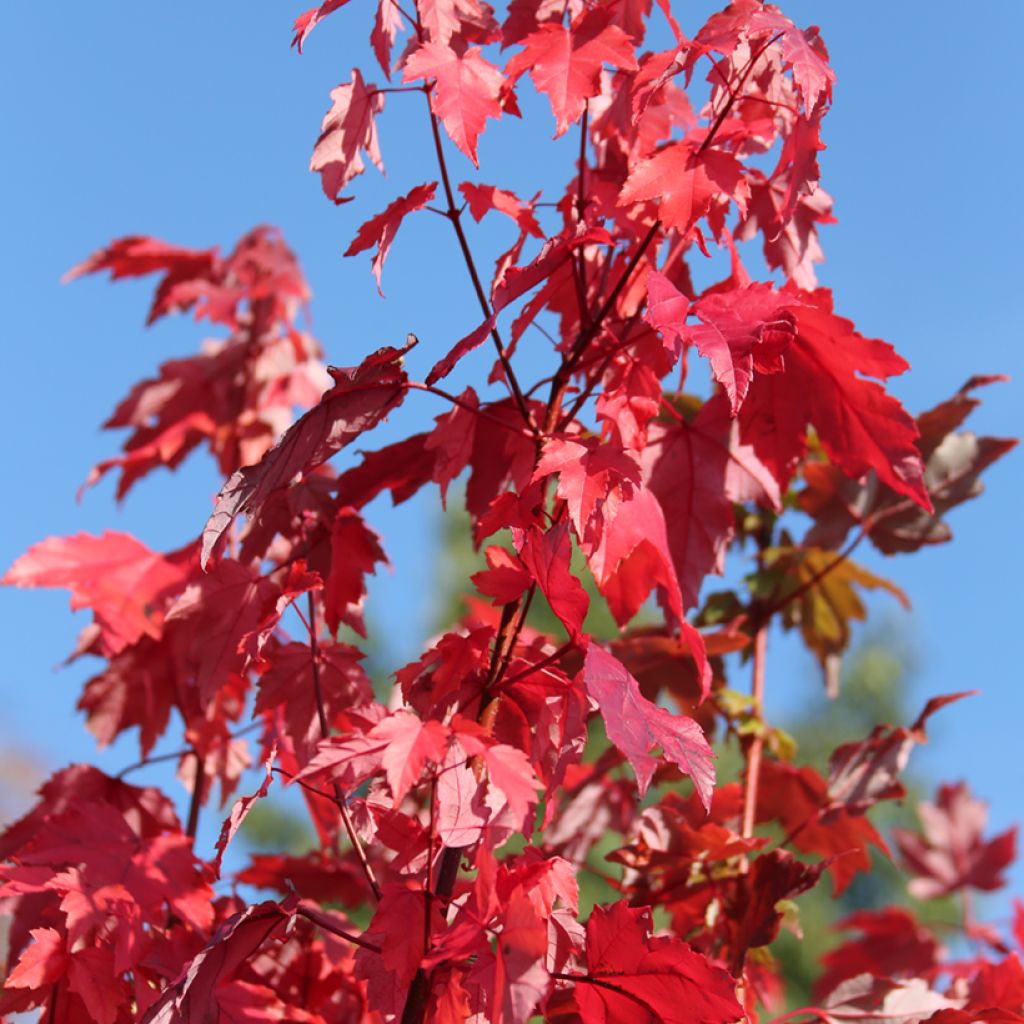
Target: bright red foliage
{"points": [[600, 485]]}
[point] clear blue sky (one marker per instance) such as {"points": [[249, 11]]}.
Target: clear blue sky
{"points": [[193, 121]]}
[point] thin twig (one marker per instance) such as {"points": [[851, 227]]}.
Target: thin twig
{"points": [[454, 216]]}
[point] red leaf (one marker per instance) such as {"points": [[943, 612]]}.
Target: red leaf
{"points": [[483, 198], [860, 426], [138, 255], [239, 811], [547, 555], [114, 574], [44, 962], [355, 552], [360, 399], [465, 92], [348, 128], [307, 21], [410, 744], [633, 978], [565, 63], [685, 182], [636, 726], [191, 999], [505, 578], [951, 854], [381, 229]]}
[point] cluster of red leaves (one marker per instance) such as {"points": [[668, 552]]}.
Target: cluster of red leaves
{"points": [[486, 737]]}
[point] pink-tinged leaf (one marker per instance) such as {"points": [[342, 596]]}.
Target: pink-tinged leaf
{"points": [[509, 769], [348, 130], [951, 854], [636, 726], [593, 478], [114, 574], [381, 229], [462, 813], [138, 255], [804, 52], [667, 310], [308, 20], [483, 198], [191, 999], [860, 426], [465, 93], [410, 744], [360, 399], [565, 63], [685, 182], [547, 555], [239, 811], [355, 552], [635, 978], [43, 963]]}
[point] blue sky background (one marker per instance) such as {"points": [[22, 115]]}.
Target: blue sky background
{"points": [[194, 121]]}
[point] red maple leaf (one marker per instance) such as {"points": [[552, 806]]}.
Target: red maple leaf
{"points": [[465, 92], [636, 726], [360, 399], [951, 854], [635, 978], [565, 63], [380, 230], [347, 131], [118, 577]]}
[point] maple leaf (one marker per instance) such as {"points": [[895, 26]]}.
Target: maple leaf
{"points": [[409, 745], [465, 92], [43, 963], [360, 399], [505, 578], [861, 774], [481, 199], [685, 182], [825, 582], [209, 621], [866, 998], [308, 20], [951, 854], [355, 551], [191, 999], [547, 555], [381, 229], [798, 799], [565, 63], [742, 329], [286, 681], [697, 470], [954, 461], [860, 426], [118, 577], [634, 978], [347, 131], [239, 812], [636, 726], [593, 478], [891, 944], [138, 255]]}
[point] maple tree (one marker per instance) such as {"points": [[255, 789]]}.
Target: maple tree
{"points": [[457, 809]]}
